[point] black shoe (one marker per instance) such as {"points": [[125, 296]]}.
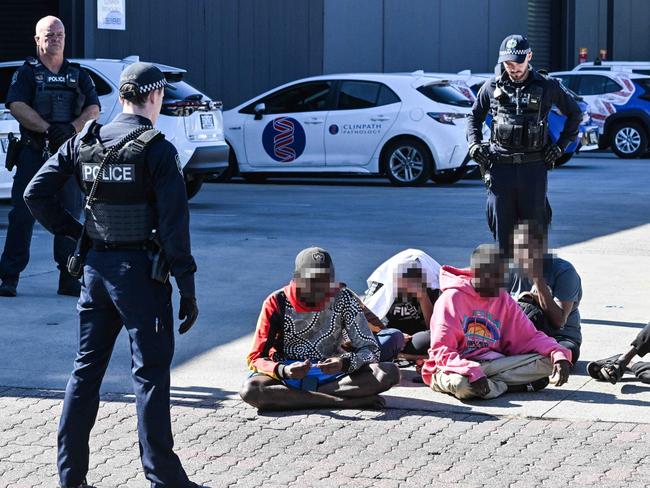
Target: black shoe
{"points": [[68, 285], [83, 484], [536, 385], [8, 287]]}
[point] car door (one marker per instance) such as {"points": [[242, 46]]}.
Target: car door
{"points": [[363, 114], [289, 133]]}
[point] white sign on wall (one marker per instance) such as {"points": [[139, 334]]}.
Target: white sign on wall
{"points": [[111, 14]]}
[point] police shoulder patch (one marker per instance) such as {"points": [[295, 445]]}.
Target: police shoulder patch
{"points": [[14, 78]]}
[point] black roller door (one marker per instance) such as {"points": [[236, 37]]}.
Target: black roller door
{"points": [[539, 32]]}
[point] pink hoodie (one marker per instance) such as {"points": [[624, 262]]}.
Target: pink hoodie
{"points": [[466, 326]]}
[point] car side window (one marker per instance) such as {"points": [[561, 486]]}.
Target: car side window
{"points": [[6, 73], [305, 97], [355, 95], [596, 85], [101, 86], [569, 81]]}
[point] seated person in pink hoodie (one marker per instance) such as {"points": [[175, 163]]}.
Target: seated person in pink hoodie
{"points": [[482, 344]]}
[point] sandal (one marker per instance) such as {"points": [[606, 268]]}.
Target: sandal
{"points": [[612, 372], [594, 368]]}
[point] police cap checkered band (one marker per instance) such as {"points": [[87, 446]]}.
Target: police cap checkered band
{"points": [[141, 77], [514, 48], [313, 258]]}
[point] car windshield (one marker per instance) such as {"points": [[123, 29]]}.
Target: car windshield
{"points": [[179, 90], [444, 93]]}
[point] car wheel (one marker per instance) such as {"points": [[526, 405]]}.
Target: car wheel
{"points": [[254, 177], [563, 159], [629, 140], [449, 177], [407, 162], [193, 186]]}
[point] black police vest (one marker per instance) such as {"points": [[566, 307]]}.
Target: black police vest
{"points": [[122, 210], [58, 98], [519, 123]]}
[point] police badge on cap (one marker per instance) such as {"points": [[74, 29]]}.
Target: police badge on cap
{"points": [[514, 48], [141, 78]]}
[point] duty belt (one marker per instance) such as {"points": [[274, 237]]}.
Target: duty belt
{"points": [[117, 246], [517, 158]]}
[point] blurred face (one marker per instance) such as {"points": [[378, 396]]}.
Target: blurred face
{"points": [[489, 278], [518, 71], [50, 37], [528, 253], [410, 286], [314, 286]]}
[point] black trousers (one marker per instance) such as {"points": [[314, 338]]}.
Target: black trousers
{"points": [[517, 192]]}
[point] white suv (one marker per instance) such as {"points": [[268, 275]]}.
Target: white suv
{"points": [[407, 126], [189, 119]]}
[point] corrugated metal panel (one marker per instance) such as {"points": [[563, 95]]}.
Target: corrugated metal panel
{"points": [[539, 32], [17, 23]]}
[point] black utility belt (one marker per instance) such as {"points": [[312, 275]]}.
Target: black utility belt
{"points": [[119, 246], [517, 158]]}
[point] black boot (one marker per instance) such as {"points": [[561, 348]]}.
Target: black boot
{"points": [[536, 385], [68, 285], [8, 287]]}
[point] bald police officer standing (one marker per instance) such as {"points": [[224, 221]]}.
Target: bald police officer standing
{"points": [[52, 99], [133, 185], [516, 161]]}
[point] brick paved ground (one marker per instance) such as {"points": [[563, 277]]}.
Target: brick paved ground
{"points": [[226, 443]]}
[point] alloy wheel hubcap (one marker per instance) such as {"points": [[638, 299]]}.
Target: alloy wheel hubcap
{"points": [[628, 140], [406, 164]]}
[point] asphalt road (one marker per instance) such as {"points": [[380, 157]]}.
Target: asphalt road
{"points": [[245, 238]]}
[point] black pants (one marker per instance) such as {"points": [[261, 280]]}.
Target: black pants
{"points": [[21, 222], [419, 343], [118, 292], [517, 193]]}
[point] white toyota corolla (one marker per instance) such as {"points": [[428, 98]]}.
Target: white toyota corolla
{"points": [[407, 126]]}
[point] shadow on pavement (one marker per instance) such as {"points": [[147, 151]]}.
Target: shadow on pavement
{"points": [[636, 325]]}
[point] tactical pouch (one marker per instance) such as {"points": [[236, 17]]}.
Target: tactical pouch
{"points": [[77, 260], [13, 151], [159, 264]]}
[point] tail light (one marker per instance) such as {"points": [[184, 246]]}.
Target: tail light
{"points": [[183, 108]]}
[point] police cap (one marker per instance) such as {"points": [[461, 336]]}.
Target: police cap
{"points": [[514, 48], [141, 78]]}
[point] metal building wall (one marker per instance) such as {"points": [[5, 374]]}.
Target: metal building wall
{"points": [[631, 30], [590, 28], [232, 49]]}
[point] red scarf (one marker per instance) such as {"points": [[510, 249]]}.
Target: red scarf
{"points": [[300, 307]]}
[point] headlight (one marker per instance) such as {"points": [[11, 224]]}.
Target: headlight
{"points": [[446, 118]]}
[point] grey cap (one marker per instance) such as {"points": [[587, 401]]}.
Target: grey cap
{"points": [[141, 78], [313, 259], [515, 48]]}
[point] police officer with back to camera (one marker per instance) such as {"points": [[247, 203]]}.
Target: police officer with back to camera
{"points": [[52, 99], [136, 219], [516, 161]]}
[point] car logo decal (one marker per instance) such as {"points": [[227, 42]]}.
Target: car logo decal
{"points": [[284, 139], [334, 129]]}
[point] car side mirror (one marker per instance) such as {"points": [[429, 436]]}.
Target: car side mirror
{"points": [[259, 110]]}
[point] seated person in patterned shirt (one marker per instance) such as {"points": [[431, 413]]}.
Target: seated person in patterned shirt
{"points": [[297, 360]]}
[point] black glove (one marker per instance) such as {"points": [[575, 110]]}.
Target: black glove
{"points": [[57, 134], [188, 311], [480, 154], [551, 153]]}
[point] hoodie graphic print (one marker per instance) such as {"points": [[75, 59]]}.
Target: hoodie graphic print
{"points": [[467, 328]]}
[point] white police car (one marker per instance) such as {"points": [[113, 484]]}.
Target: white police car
{"points": [[409, 127], [189, 119]]}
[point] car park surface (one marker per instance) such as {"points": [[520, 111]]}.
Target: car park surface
{"points": [[189, 119], [408, 126]]}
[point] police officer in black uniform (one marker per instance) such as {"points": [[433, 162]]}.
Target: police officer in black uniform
{"points": [[516, 161], [52, 99], [134, 189]]}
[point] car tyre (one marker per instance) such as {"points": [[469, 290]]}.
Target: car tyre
{"points": [[450, 177], [407, 162], [629, 140], [193, 186]]}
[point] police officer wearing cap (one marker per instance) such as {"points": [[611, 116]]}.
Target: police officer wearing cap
{"points": [[519, 154], [52, 99], [134, 189]]}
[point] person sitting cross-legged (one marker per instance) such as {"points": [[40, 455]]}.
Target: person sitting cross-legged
{"points": [[482, 344], [297, 359]]}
